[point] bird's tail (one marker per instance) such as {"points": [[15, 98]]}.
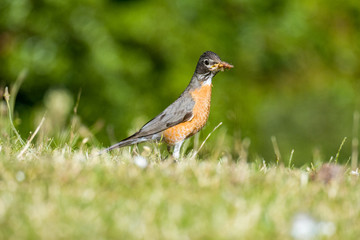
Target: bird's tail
{"points": [[127, 142]]}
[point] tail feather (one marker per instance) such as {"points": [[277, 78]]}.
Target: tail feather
{"points": [[127, 142], [124, 143]]}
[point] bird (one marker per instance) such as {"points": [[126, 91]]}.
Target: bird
{"points": [[187, 115]]}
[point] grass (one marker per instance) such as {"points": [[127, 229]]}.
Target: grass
{"points": [[64, 194], [52, 191]]}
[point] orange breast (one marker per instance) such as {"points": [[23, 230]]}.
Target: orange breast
{"points": [[201, 110]]}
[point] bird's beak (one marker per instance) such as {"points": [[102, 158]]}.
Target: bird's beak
{"points": [[221, 66]]}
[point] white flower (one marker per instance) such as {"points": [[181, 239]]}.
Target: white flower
{"points": [[140, 161]]}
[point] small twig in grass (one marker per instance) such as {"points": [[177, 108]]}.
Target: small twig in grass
{"points": [[276, 149], [7, 99], [355, 141], [338, 152], [203, 143], [31, 138]]}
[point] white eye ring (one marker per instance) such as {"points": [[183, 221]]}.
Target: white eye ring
{"points": [[206, 62]]}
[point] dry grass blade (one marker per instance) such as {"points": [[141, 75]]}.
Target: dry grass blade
{"points": [[15, 88], [291, 157], [203, 143], [355, 141], [338, 152], [276, 149], [31, 138], [73, 121], [7, 99]]}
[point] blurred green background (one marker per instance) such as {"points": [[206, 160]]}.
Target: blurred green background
{"points": [[296, 74]]}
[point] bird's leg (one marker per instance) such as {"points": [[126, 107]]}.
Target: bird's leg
{"points": [[176, 152]]}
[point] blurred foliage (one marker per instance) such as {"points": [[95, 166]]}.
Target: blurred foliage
{"points": [[296, 69]]}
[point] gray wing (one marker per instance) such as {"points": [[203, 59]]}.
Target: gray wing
{"points": [[178, 112]]}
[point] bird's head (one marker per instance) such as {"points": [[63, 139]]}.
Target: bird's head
{"points": [[210, 62]]}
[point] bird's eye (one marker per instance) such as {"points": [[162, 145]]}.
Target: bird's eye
{"points": [[206, 62]]}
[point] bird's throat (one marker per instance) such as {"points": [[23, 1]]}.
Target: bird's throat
{"points": [[206, 79], [207, 82]]}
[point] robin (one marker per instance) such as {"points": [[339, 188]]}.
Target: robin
{"points": [[188, 114]]}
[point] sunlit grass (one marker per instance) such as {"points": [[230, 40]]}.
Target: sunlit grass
{"points": [[65, 194]]}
